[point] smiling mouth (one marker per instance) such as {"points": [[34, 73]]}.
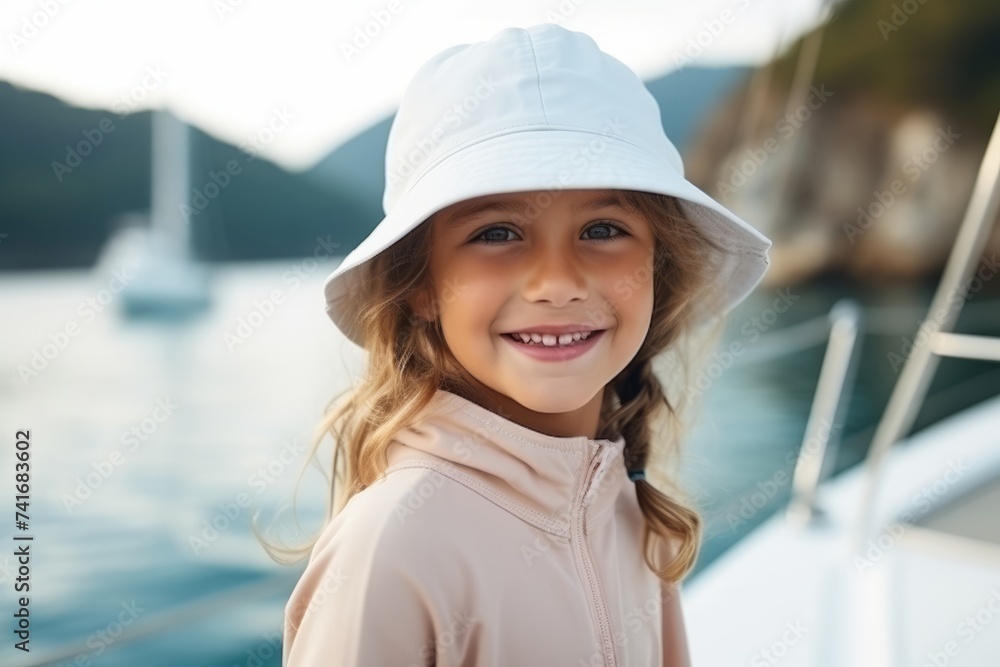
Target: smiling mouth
{"points": [[551, 340]]}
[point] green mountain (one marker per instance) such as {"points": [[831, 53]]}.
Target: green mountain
{"points": [[67, 174], [913, 53]]}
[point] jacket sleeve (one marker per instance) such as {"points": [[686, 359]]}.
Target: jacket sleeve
{"points": [[356, 606], [675, 644]]}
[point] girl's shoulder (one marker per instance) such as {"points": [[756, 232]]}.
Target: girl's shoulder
{"points": [[403, 510]]}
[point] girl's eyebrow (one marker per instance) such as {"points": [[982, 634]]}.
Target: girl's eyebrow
{"points": [[463, 214], [596, 202]]}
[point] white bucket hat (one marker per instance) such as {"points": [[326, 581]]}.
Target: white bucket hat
{"points": [[538, 108]]}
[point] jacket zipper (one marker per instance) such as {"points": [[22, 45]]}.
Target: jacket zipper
{"points": [[600, 605]]}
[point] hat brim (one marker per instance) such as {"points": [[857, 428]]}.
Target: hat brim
{"points": [[553, 160]]}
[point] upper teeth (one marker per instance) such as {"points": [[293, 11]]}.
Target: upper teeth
{"points": [[552, 339]]}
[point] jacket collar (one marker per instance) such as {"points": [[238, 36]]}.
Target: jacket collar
{"points": [[541, 478]]}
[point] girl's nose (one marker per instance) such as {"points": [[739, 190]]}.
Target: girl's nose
{"points": [[555, 274]]}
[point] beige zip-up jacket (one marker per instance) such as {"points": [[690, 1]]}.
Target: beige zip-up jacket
{"points": [[486, 544]]}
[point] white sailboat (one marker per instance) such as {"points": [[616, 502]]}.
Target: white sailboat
{"points": [[166, 279], [896, 561]]}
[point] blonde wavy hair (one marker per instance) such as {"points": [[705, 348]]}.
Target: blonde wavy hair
{"points": [[408, 361]]}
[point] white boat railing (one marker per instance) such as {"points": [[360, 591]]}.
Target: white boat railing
{"points": [[939, 339], [842, 330], [819, 445]]}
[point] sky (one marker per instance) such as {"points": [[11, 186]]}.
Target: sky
{"points": [[324, 70]]}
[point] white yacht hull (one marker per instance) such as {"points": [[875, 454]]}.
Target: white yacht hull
{"points": [[912, 596]]}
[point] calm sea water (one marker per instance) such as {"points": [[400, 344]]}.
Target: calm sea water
{"points": [[152, 444]]}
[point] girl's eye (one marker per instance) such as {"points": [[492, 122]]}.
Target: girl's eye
{"points": [[498, 228], [493, 230], [606, 238]]}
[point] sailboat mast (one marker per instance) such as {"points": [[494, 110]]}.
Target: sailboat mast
{"points": [[170, 185]]}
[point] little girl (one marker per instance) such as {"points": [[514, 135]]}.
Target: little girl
{"points": [[540, 249]]}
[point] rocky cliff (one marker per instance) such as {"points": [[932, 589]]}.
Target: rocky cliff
{"points": [[863, 173]]}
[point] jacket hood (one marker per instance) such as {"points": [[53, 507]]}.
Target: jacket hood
{"points": [[539, 477]]}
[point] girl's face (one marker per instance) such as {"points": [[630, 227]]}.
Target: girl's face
{"points": [[514, 262]]}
